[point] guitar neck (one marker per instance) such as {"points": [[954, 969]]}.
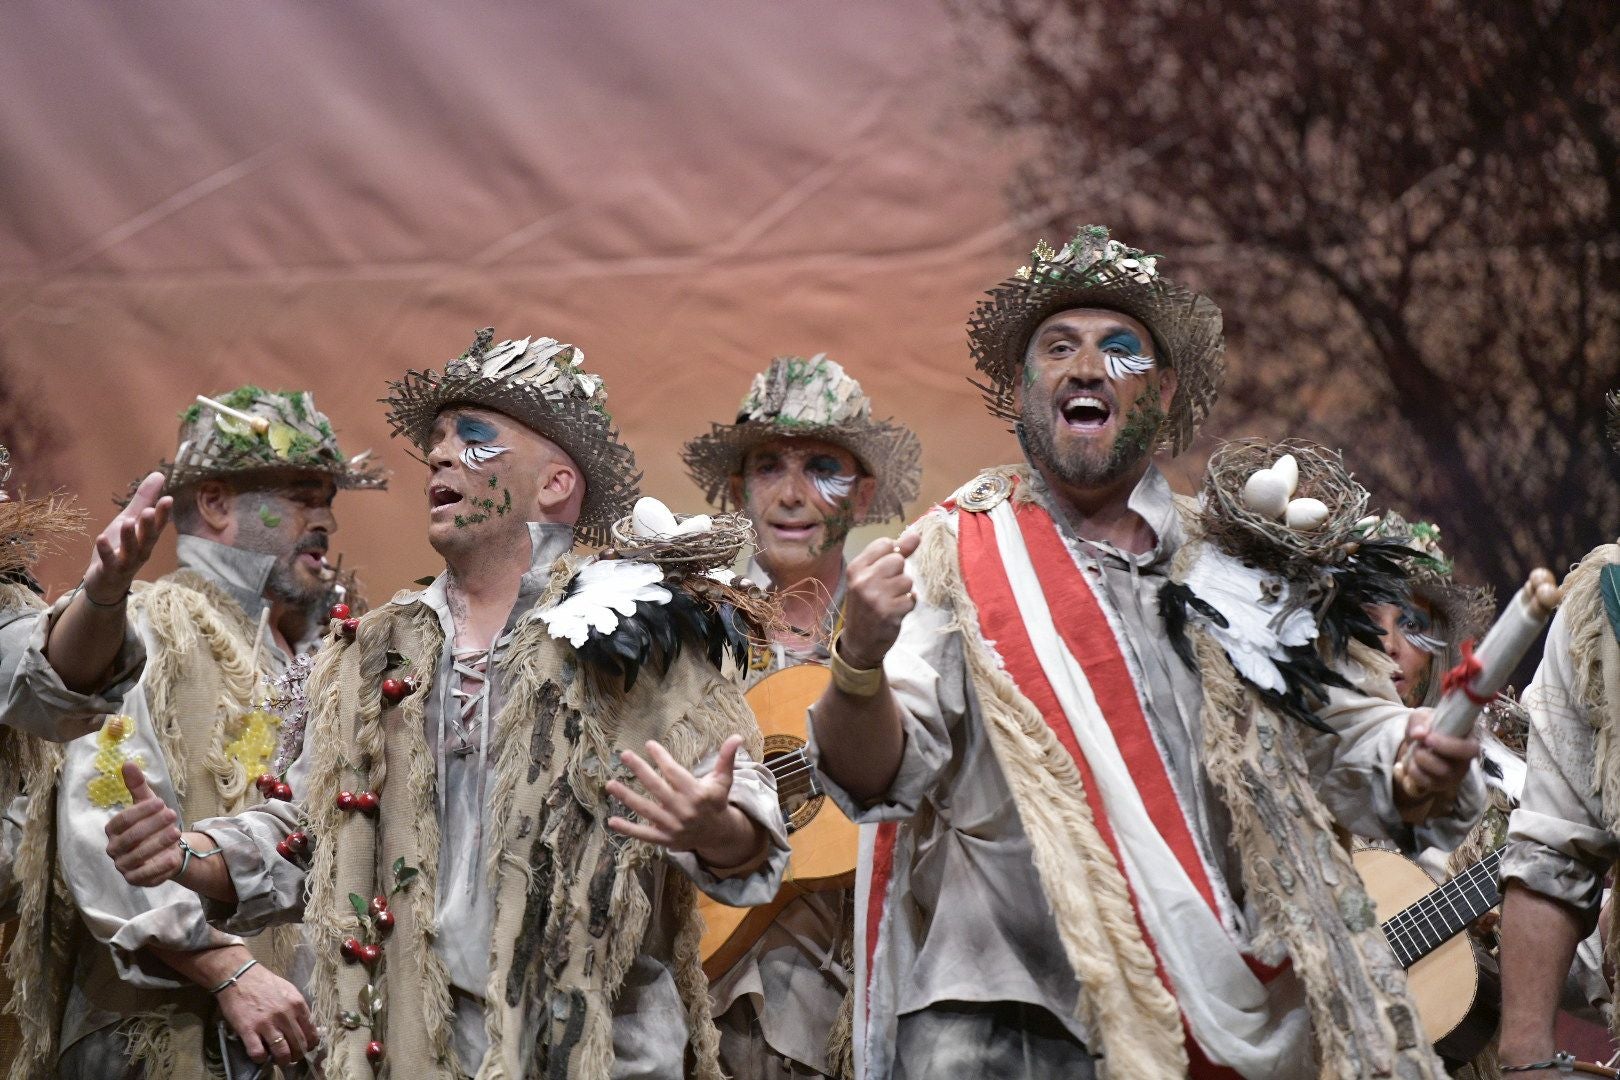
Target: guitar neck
{"points": [[1424, 925]]}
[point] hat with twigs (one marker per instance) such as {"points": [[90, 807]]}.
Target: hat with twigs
{"points": [[1094, 271], [542, 384], [810, 399]]}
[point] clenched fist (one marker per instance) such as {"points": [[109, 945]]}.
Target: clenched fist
{"points": [[877, 597]]}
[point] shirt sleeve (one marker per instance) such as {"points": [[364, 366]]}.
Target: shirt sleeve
{"points": [[1353, 766], [753, 791], [1558, 845], [927, 674], [35, 699], [124, 918]]}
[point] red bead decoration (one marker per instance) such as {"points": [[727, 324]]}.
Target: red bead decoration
{"points": [[350, 949], [345, 801], [374, 1052], [339, 612], [350, 627], [384, 921], [367, 802], [370, 954], [298, 841], [284, 849], [379, 904], [283, 791], [266, 783], [394, 690]]}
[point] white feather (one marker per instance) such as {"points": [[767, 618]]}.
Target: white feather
{"points": [[1250, 641], [602, 592]]}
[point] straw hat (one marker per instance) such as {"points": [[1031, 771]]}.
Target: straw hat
{"points": [[540, 383], [262, 434], [810, 399], [1093, 271]]}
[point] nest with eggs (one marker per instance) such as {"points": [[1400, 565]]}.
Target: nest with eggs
{"points": [[1246, 534], [680, 554]]}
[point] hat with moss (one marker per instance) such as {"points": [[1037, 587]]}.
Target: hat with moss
{"points": [[257, 435], [1094, 271], [810, 399], [1464, 612], [541, 383]]}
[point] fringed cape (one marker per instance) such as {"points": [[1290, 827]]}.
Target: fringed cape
{"points": [[200, 681], [1309, 895], [571, 907]]}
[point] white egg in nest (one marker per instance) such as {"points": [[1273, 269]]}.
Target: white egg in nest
{"points": [[651, 518], [1266, 494], [1306, 515]]}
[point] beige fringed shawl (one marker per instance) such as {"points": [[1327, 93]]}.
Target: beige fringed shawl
{"points": [[570, 900], [1308, 892], [200, 680]]}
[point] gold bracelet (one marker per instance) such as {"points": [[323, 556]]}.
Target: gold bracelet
{"points": [[854, 681]]}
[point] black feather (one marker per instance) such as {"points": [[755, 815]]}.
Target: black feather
{"points": [[656, 633]]}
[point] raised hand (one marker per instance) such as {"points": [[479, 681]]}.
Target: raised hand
{"points": [[682, 812], [877, 597], [143, 840], [127, 542]]}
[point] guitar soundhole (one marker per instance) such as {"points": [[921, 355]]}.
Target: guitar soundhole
{"points": [[796, 789]]}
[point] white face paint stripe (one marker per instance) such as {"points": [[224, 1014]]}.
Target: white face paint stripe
{"points": [[1424, 643], [833, 489], [474, 456], [1121, 368]]}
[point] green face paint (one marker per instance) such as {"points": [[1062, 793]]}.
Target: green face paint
{"points": [[271, 521], [836, 527], [1141, 428]]}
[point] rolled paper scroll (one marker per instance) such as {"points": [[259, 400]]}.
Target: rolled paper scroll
{"points": [[1485, 670]]}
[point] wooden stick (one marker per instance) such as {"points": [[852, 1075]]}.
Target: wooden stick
{"points": [[258, 423]]}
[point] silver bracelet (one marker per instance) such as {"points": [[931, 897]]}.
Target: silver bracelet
{"points": [[187, 853], [230, 982]]}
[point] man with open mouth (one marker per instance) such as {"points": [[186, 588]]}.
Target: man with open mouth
{"points": [[496, 879], [1033, 697], [155, 991], [806, 461]]}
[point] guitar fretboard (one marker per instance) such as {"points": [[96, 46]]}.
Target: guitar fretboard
{"points": [[1424, 925]]}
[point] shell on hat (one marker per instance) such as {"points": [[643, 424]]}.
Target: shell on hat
{"points": [[541, 383], [1095, 271], [815, 398], [284, 432]]}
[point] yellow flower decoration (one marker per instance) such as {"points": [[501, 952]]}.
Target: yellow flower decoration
{"points": [[107, 789], [257, 736]]}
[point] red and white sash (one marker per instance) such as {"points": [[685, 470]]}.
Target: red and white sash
{"points": [[1018, 571]]}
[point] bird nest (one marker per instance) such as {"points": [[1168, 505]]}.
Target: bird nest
{"points": [[1253, 537], [696, 553]]}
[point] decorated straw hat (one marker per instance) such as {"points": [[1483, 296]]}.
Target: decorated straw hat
{"points": [[540, 382], [810, 399], [1464, 611], [257, 435], [1093, 271]]}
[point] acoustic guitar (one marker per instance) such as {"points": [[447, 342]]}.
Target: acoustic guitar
{"points": [[824, 841], [1426, 926]]}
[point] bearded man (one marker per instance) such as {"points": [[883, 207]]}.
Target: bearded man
{"points": [[497, 882], [805, 461], [124, 982], [1106, 829]]}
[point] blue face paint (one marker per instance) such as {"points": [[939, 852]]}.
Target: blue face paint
{"points": [[1122, 356], [471, 429]]}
